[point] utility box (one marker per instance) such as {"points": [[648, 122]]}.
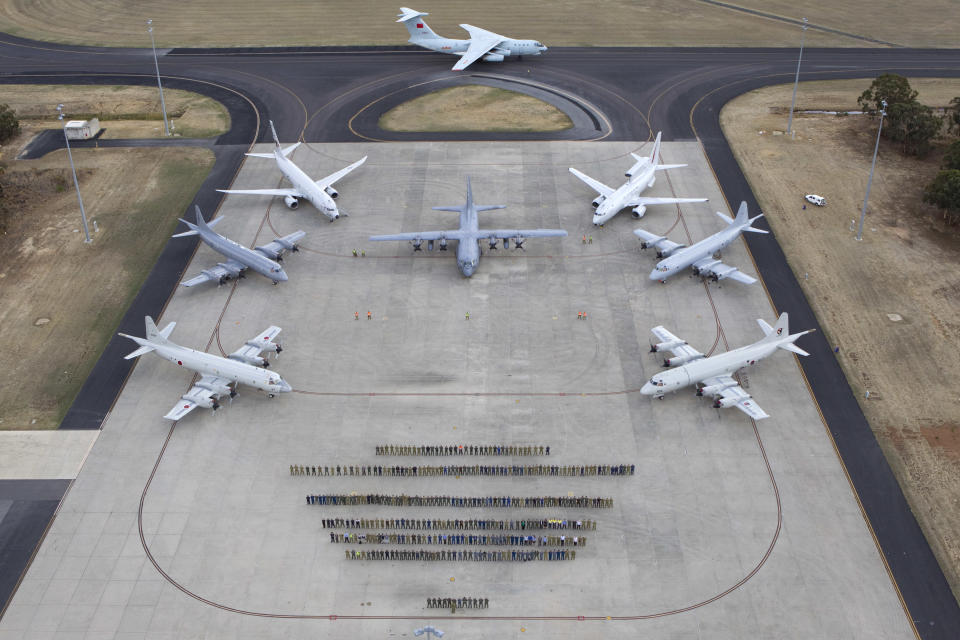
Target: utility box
{"points": [[82, 129]]}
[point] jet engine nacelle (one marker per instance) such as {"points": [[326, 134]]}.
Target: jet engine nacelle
{"points": [[333, 193], [443, 244], [676, 361], [713, 389], [429, 245], [266, 346], [632, 171], [653, 181], [493, 57], [291, 202], [725, 403], [598, 201], [219, 389], [207, 403], [639, 211], [662, 346], [256, 361]]}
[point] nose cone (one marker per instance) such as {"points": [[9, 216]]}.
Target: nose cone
{"points": [[542, 48], [648, 389], [281, 275], [284, 387], [467, 269], [655, 275]]}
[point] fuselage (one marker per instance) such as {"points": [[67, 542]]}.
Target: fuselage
{"points": [[253, 259], [684, 258], [302, 183], [703, 368], [207, 363], [616, 201], [508, 47], [468, 249]]}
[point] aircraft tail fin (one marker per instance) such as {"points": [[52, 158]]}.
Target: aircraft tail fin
{"points": [[201, 224], [154, 337], [655, 156], [418, 28], [273, 130], [780, 333]]}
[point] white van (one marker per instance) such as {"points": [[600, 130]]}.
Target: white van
{"points": [[815, 199]]}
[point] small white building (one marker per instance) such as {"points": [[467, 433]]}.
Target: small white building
{"points": [[82, 129]]}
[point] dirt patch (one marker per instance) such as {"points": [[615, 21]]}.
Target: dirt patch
{"points": [[62, 298], [204, 23], [475, 108], [124, 111], [887, 301]]}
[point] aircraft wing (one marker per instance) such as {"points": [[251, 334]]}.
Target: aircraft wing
{"points": [[199, 395], [659, 242], [740, 398], [709, 267], [680, 348], [253, 347], [264, 192], [644, 201], [223, 270], [453, 234], [275, 249], [596, 185], [323, 183], [481, 41], [524, 233]]}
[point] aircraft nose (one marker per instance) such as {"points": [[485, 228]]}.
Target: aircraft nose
{"points": [[542, 48], [282, 276], [284, 387], [654, 275], [648, 389]]}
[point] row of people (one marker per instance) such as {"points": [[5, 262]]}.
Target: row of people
{"points": [[458, 603], [459, 525], [517, 502], [462, 450], [500, 540], [515, 470], [460, 556]]}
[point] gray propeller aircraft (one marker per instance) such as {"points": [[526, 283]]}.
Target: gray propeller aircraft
{"points": [[492, 47], [712, 376], [319, 193], [469, 234], [700, 256], [243, 366], [265, 259]]}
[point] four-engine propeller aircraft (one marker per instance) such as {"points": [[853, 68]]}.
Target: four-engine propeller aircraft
{"points": [[712, 375], [319, 193], [677, 257], [492, 47], [243, 366], [469, 234], [265, 259], [642, 175]]}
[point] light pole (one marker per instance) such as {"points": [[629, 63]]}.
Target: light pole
{"points": [[156, 65], [83, 214], [863, 212], [796, 80], [428, 630]]}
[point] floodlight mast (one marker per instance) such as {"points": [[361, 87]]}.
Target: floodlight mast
{"points": [[863, 212], [83, 214], [796, 80], [156, 65]]}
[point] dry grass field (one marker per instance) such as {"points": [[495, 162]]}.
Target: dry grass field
{"points": [[925, 23], [475, 108], [61, 299], [889, 302], [124, 111]]}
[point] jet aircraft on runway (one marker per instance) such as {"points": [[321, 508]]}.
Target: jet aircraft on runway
{"points": [[243, 366], [642, 176], [319, 193], [265, 259], [492, 47], [677, 257], [712, 375], [469, 234]]}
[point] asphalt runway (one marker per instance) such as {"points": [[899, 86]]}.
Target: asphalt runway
{"points": [[315, 94]]}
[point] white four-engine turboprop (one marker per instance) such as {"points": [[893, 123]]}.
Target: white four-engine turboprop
{"points": [[469, 234], [712, 376], [642, 175], [265, 259], [319, 193], [677, 257], [241, 367], [492, 47]]}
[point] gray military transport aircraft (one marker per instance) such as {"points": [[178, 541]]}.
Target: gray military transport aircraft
{"points": [[265, 259], [243, 366], [469, 234]]}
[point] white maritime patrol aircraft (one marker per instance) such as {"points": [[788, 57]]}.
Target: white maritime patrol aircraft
{"points": [[712, 376], [642, 175], [319, 193], [469, 234], [243, 366], [700, 256], [265, 259], [492, 47]]}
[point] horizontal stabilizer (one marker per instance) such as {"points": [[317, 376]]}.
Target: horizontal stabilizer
{"points": [[147, 348], [269, 156], [724, 217], [453, 209], [765, 326], [192, 232], [789, 346], [663, 167]]}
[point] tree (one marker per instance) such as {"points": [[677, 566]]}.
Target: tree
{"points": [[951, 159], [953, 115], [944, 192], [891, 87], [9, 125], [912, 124]]}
